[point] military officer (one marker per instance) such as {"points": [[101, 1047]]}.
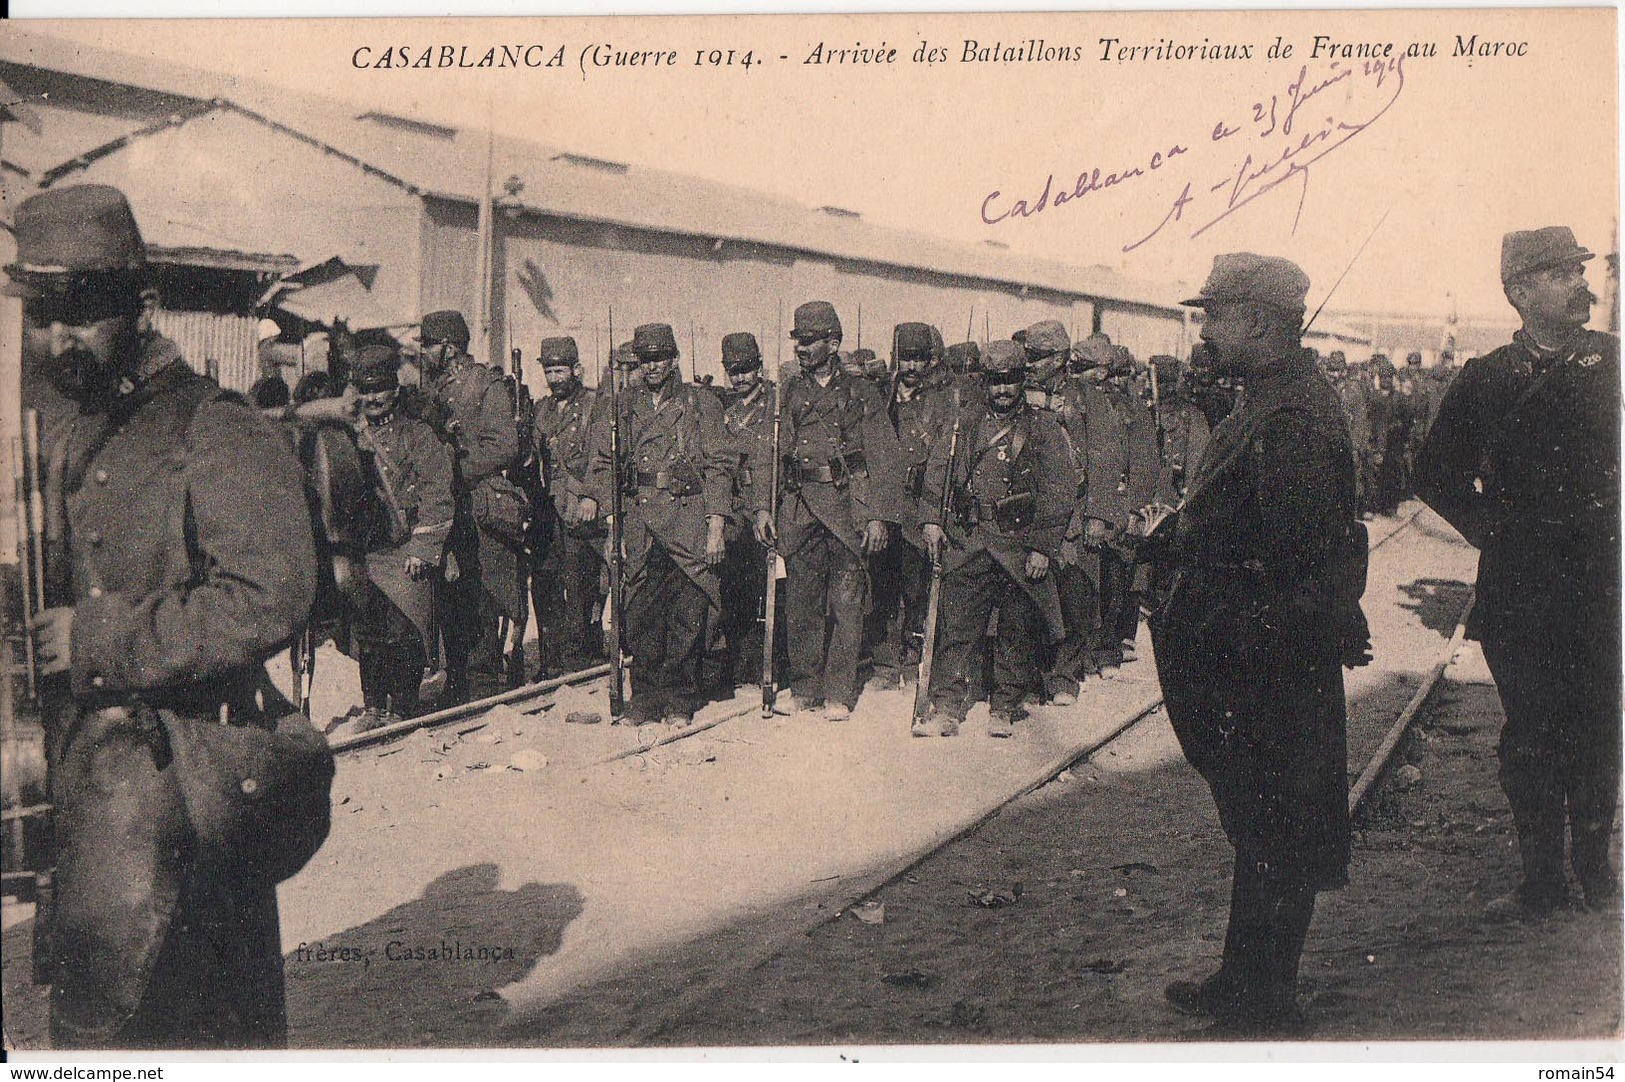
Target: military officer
{"points": [[1523, 459], [841, 490], [1012, 485], [1269, 565], [1053, 390], [919, 408], [677, 476], [180, 558], [565, 583], [392, 606], [492, 512], [748, 422]]}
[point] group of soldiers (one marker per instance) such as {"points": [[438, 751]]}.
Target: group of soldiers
{"points": [[1067, 454], [1041, 490], [1389, 411]]}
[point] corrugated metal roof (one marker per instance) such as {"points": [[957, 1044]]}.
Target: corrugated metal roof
{"points": [[558, 182]]}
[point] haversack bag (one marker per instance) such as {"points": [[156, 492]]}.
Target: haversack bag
{"points": [[260, 800]]}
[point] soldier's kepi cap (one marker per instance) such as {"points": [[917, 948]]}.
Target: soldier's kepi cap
{"points": [[1046, 337], [1004, 362], [1261, 279], [654, 342], [66, 233], [558, 352], [815, 320], [964, 357], [445, 326], [1536, 249], [740, 353], [623, 357], [376, 368], [912, 340]]}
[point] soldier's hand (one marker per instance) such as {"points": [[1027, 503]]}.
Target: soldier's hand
{"points": [[53, 640], [1096, 532], [453, 570], [875, 537], [1037, 566], [416, 568], [766, 535], [933, 540], [715, 545], [586, 509], [1069, 554]]}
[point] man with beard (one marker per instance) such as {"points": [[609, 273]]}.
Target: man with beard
{"points": [[1523, 459], [1051, 389], [748, 422], [1011, 487], [492, 511], [676, 478], [180, 557], [920, 408], [1214, 395], [1120, 461], [841, 490], [391, 608], [1268, 560], [564, 586]]}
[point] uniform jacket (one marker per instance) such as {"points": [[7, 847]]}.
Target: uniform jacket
{"points": [[748, 422], [562, 435], [843, 421], [416, 468], [676, 471], [920, 421], [1523, 459], [183, 540], [997, 458], [1184, 436], [480, 417], [1119, 453], [1267, 515]]}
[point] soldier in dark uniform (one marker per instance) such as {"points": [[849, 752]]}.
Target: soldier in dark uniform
{"points": [[748, 422], [1012, 487], [842, 489], [565, 583], [1269, 564], [1053, 390], [180, 558], [1182, 429], [1523, 459], [677, 477], [1120, 461], [392, 606], [1422, 393], [492, 512], [1389, 417], [920, 407]]}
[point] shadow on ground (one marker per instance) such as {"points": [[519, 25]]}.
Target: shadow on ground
{"points": [[1436, 602], [426, 973]]}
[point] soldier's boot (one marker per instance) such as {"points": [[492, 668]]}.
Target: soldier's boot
{"points": [[513, 667], [1543, 890], [1593, 867]]}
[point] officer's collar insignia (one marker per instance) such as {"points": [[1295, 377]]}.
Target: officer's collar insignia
{"points": [[1590, 360]]}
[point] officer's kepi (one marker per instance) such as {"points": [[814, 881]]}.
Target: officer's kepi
{"points": [[1527, 251], [1260, 279], [557, 353], [77, 247]]}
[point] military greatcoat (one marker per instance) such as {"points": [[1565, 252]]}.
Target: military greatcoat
{"points": [[183, 541], [1263, 608], [480, 410]]}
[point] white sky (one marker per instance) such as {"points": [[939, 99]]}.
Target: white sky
{"points": [[1463, 154]]}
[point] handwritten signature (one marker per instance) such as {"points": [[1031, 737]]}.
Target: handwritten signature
{"points": [[1283, 134]]}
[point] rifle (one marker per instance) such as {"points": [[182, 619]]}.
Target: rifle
{"points": [[770, 604], [933, 600], [1156, 405], [617, 702]]}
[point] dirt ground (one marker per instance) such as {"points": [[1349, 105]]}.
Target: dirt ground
{"points": [[1113, 879]]}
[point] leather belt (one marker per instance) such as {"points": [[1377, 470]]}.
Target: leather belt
{"points": [[837, 470]]}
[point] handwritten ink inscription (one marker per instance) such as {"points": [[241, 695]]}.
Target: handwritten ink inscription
{"points": [[1241, 157]]}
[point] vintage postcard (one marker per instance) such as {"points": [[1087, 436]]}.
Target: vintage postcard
{"points": [[593, 426]]}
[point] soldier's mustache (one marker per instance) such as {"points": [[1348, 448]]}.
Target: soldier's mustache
{"points": [[81, 376]]}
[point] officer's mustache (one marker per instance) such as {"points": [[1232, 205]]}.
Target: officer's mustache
{"points": [[1584, 297]]}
